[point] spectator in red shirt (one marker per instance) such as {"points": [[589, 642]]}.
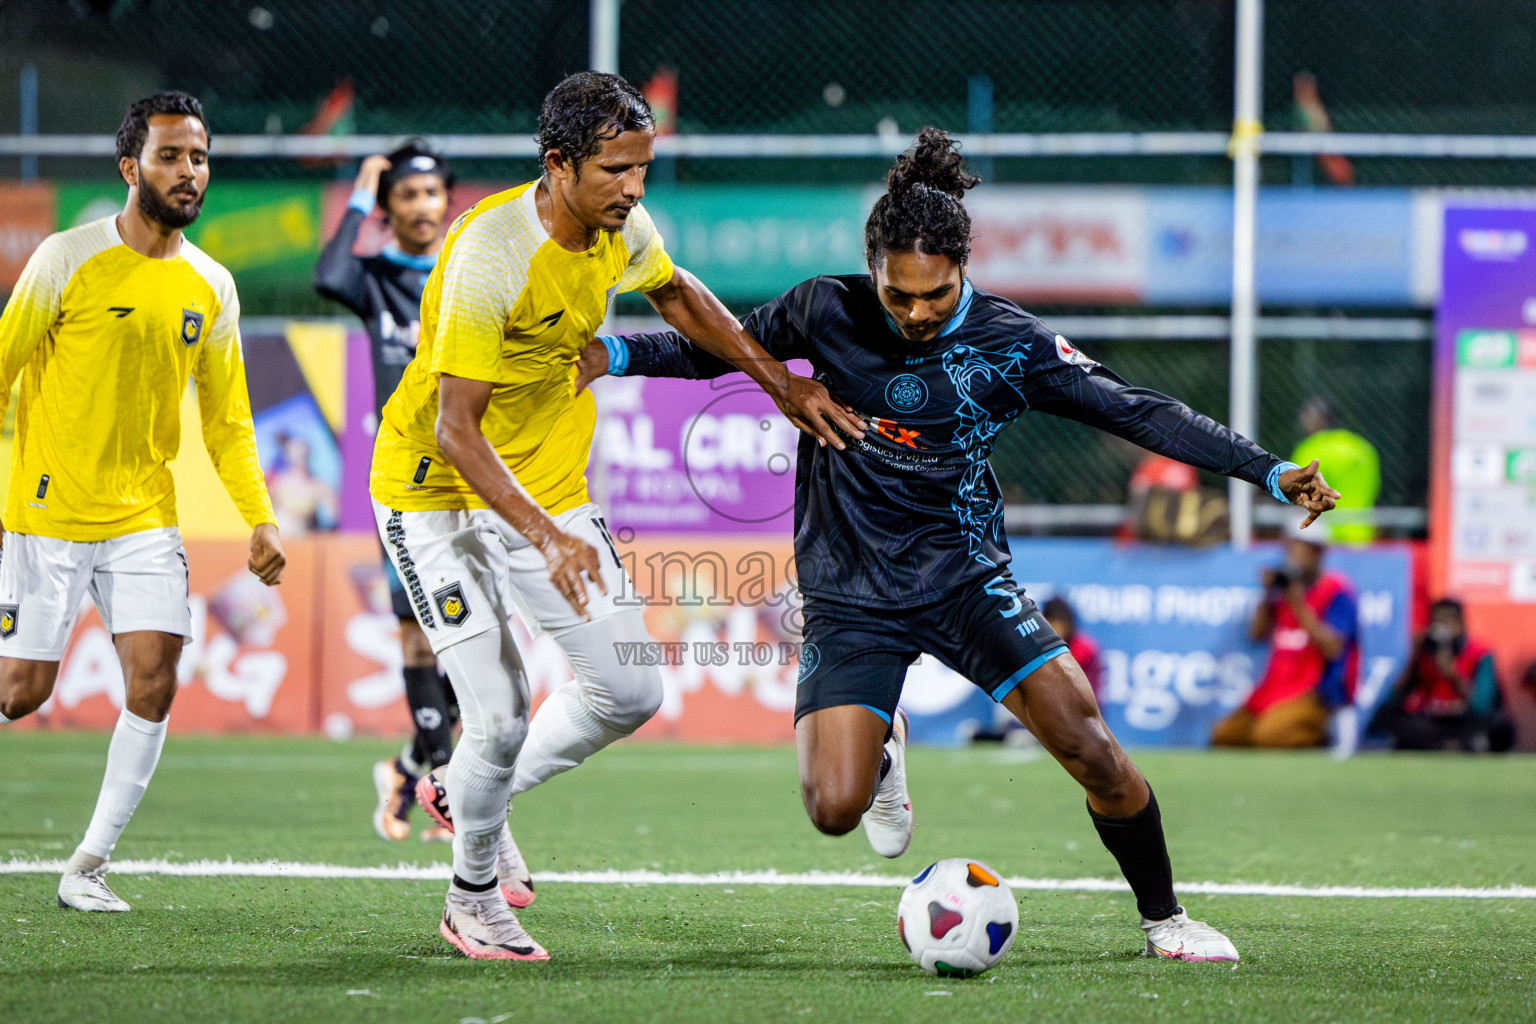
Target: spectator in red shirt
{"points": [[1081, 646], [1309, 618], [1448, 695]]}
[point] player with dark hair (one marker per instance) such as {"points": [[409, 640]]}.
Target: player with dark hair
{"points": [[411, 187], [899, 538], [479, 480], [104, 327]]}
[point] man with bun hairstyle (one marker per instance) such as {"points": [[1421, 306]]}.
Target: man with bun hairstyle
{"points": [[899, 537], [410, 186]]}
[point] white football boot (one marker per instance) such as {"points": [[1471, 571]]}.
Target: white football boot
{"points": [[482, 927], [1179, 938], [512, 871], [889, 821], [87, 890]]}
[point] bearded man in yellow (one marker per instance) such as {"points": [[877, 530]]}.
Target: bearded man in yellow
{"points": [[479, 479], [103, 328]]}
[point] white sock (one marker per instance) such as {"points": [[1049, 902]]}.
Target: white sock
{"points": [[563, 733], [131, 759], [478, 792], [488, 676]]}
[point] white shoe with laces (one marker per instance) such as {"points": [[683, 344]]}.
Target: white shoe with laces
{"points": [[87, 890], [889, 822], [480, 925], [1179, 938]]}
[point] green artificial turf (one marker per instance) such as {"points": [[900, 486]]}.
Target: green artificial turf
{"points": [[268, 949]]}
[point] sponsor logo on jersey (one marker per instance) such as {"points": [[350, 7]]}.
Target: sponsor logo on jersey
{"points": [[8, 615], [907, 393], [553, 318], [1071, 355], [121, 311], [450, 601], [893, 431], [191, 327]]}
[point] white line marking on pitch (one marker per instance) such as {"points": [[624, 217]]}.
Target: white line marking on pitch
{"points": [[442, 872]]}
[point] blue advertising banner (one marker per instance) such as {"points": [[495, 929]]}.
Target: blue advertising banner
{"points": [[1313, 245], [1172, 624]]}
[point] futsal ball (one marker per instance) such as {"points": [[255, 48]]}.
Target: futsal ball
{"points": [[957, 918]]}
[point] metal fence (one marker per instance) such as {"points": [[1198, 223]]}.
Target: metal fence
{"points": [[1049, 91]]}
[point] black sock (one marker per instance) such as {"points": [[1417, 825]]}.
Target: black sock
{"points": [[475, 886], [451, 697], [429, 712], [1137, 844]]}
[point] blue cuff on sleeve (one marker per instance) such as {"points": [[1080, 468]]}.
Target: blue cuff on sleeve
{"points": [[1272, 481], [362, 201], [618, 354]]}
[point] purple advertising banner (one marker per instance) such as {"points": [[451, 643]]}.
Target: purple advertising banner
{"points": [[1485, 416], [712, 456], [357, 433]]}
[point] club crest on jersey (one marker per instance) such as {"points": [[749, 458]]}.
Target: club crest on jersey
{"points": [[191, 327], [450, 601], [1071, 355], [8, 616], [907, 393]]}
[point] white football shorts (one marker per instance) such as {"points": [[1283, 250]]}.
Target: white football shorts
{"points": [[138, 581], [466, 571]]}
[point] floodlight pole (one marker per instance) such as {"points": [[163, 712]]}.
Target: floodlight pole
{"points": [[603, 54], [1247, 129]]}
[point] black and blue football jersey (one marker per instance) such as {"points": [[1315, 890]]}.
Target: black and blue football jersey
{"points": [[912, 511]]}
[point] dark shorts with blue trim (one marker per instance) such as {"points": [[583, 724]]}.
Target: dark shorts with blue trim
{"points": [[399, 600], [990, 633]]}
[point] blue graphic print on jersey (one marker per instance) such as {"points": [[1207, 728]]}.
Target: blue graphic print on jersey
{"points": [[912, 511]]}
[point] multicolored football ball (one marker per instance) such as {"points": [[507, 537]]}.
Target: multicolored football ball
{"points": [[957, 918]]}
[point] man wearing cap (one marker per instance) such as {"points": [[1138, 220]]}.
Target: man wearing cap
{"points": [[1309, 618], [410, 186]]}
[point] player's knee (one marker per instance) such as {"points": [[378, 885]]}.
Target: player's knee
{"points": [[832, 811], [22, 693], [627, 698], [1103, 768], [501, 741]]}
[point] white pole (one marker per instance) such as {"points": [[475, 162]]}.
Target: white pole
{"points": [[604, 42], [1246, 131]]}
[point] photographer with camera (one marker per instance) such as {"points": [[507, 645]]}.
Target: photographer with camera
{"points": [[1309, 618], [1448, 696]]}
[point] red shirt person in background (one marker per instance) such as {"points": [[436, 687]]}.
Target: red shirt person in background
{"points": [[1448, 695], [1064, 621], [1309, 618]]}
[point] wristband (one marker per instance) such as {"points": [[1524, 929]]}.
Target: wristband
{"points": [[618, 354], [362, 201], [1272, 480]]}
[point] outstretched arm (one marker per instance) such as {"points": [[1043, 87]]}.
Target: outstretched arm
{"points": [[1078, 388], [693, 309]]}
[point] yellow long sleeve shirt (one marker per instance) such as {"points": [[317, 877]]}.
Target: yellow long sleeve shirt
{"points": [[103, 339]]}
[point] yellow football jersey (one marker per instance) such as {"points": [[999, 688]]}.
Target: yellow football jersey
{"points": [[104, 339], [509, 306]]}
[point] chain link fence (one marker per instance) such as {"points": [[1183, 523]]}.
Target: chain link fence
{"points": [[1378, 389], [405, 67]]}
